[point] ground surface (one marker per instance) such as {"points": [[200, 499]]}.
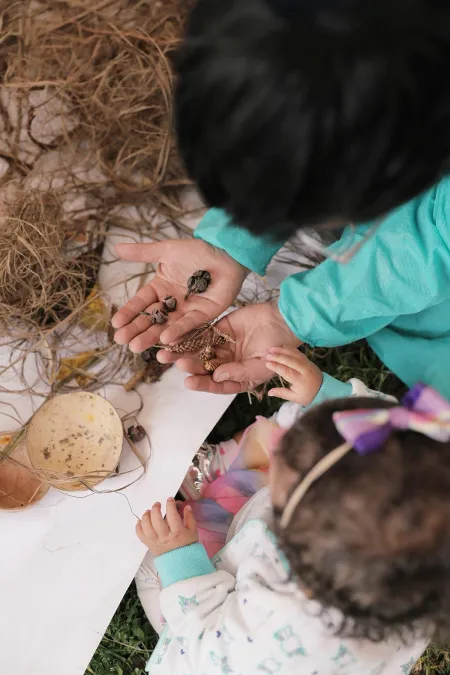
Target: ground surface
{"points": [[129, 640]]}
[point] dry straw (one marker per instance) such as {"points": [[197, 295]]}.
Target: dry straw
{"points": [[105, 68], [38, 284], [108, 62]]}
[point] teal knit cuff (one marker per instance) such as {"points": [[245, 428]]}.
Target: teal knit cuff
{"points": [[330, 389], [183, 563]]}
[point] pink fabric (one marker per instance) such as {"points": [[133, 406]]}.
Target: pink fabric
{"points": [[222, 499]]}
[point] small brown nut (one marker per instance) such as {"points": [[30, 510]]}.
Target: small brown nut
{"points": [[211, 366], [198, 282], [158, 316], [206, 354], [169, 303], [200, 286], [149, 355], [136, 433], [203, 274]]}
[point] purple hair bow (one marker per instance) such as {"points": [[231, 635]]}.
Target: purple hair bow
{"points": [[422, 410]]}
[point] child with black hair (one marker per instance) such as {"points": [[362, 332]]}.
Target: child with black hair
{"points": [[293, 114], [339, 565]]}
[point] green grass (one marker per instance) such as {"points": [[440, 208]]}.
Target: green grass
{"points": [[129, 640]]}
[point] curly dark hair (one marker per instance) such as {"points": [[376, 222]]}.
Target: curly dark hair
{"points": [[292, 113], [371, 538]]}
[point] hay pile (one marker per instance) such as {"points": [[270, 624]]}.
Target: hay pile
{"points": [[39, 284], [85, 129], [99, 75]]}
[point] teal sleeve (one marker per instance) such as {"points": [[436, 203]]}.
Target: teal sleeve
{"points": [[252, 252], [403, 269], [331, 389], [183, 563]]}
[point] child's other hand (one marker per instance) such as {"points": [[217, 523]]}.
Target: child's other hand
{"points": [[162, 535], [304, 377]]}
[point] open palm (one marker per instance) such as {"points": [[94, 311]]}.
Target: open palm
{"points": [[176, 261], [254, 329]]}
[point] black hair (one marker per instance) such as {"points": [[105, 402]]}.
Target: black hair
{"points": [[371, 538], [293, 113]]}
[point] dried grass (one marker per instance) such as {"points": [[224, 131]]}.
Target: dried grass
{"points": [[108, 63], [38, 284]]}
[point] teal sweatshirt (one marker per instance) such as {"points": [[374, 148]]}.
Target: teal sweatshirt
{"points": [[395, 292]]}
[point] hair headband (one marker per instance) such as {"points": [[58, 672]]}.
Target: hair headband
{"points": [[423, 410]]}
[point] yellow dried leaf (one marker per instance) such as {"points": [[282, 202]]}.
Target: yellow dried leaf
{"points": [[95, 315], [71, 364], [84, 381]]}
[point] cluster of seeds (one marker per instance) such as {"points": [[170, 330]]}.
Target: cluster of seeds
{"points": [[203, 344], [159, 316]]}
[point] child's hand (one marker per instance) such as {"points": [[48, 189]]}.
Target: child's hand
{"points": [[304, 377], [162, 535]]}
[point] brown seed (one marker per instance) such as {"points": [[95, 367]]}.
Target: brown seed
{"points": [[211, 366], [169, 303], [220, 337], [149, 355], [136, 433], [207, 353], [198, 282], [158, 316]]}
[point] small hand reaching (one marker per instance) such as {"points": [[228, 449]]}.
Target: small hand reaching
{"points": [[304, 376], [162, 535]]}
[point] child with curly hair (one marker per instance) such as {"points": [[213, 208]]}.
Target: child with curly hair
{"points": [[340, 564]]}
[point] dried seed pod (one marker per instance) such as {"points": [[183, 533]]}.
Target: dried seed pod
{"points": [[149, 355], [136, 433], [198, 283], [169, 303], [155, 371], [201, 274], [158, 316], [206, 339], [192, 345], [207, 353], [211, 366], [220, 338]]}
